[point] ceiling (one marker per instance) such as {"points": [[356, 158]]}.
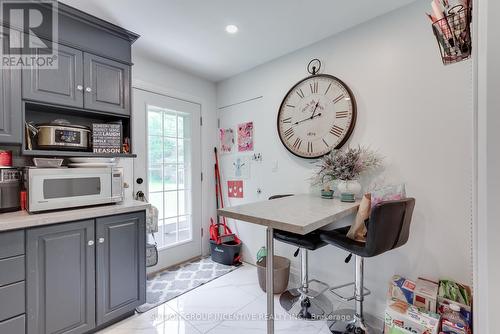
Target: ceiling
{"points": [[190, 34]]}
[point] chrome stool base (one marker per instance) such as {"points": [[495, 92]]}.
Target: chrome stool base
{"points": [[306, 307], [345, 321]]}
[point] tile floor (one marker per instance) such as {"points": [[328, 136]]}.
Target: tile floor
{"points": [[229, 304]]}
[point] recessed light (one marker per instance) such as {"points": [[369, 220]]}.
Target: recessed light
{"points": [[231, 29]]}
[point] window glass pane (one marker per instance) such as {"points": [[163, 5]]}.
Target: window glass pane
{"points": [[184, 202], [156, 199], [184, 149], [169, 124], [171, 204], [155, 178], [155, 149], [154, 121], [184, 228], [170, 176], [169, 231], [184, 124], [170, 150], [183, 178]]}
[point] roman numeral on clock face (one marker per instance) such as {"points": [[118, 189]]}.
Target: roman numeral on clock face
{"points": [[314, 87], [288, 133], [286, 120], [297, 143], [300, 93], [309, 147], [338, 98], [336, 131], [326, 91], [341, 114]]}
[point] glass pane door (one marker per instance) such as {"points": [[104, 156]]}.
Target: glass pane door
{"points": [[169, 173]]}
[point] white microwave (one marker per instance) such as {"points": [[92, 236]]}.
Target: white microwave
{"points": [[60, 188]]}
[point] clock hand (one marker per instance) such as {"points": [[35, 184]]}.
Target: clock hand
{"points": [[314, 111], [307, 119]]}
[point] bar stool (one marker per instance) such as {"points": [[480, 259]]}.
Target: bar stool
{"points": [[388, 228], [304, 302]]}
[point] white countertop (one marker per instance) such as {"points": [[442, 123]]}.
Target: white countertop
{"points": [[300, 214], [22, 219]]}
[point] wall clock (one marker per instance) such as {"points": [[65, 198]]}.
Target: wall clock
{"points": [[317, 115]]}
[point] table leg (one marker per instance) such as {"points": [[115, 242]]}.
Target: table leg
{"points": [[270, 280]]}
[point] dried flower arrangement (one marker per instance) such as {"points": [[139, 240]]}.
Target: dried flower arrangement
{"points": [[345, 165]]}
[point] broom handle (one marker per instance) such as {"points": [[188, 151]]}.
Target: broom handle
{"points": [[218, 181]]}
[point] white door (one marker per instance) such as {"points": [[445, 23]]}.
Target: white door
{"points": [[166, 139]]}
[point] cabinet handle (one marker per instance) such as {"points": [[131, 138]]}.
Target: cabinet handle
{"points": [[91, 243], [101, 240], [79, 87], [88, 90]]}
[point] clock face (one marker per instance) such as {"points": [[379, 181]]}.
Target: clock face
{"points": [[317, 115]]}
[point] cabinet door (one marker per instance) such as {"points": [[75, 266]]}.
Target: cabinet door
{"points": [[121, 267], [11, 117], [107, 85], [63, 85], [61, 278]]}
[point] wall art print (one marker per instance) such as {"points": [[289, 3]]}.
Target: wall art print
{"points": [[241, 168], [235, 189], [245, 137], [226, 140]]}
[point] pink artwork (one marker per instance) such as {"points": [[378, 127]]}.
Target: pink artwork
{"points": [[245, 137], [235, 189], [226, 138]]}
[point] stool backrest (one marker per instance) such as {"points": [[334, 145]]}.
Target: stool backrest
{"points": [[389, 226]]}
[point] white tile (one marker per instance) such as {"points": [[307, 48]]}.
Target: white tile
{"points": [[251, 319], [244, 278], [160, 320], [209, 304]]}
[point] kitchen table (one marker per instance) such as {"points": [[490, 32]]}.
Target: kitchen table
{"points": [[299, 214]]}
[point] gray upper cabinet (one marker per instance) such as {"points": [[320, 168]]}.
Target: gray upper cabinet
{"points": [[121, 268], [63, 85], [107, 85], [61, 278], [11, 116]]}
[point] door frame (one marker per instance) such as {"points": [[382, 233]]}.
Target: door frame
{"points": [[170, 93]]}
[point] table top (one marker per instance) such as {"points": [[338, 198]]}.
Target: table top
{"points": [[299, 214]]}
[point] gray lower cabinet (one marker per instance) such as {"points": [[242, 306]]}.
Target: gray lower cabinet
{"points": [[107, 85], [11, 116], [62, 85], [61, 278], [84, 274], [121, 267]]}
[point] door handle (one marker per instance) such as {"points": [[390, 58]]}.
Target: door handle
{"points": [[101, 240], [88, 90], [79, 87], [91, 243]]}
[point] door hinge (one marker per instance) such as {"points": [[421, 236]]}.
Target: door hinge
{"points": [[202, 232], [201, 177], [201, 121]]}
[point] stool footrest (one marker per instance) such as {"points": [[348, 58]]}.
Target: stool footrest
{"points": [[366, 292], [319, 292]]}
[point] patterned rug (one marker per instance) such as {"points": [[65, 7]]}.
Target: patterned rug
{"points": [[177, 280]]}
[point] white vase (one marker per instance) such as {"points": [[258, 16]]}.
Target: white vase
{"points": [[349, 187]]}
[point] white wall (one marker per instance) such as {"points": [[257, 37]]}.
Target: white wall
{"points": [[414, 110], [160, 78]]}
